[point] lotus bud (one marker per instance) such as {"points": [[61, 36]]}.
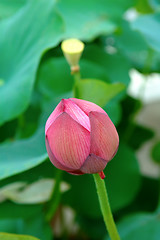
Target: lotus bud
{"points": [[80, 137], [72, 50]]}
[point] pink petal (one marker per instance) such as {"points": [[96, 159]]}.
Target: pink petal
{"points": [[93, 164], [57, 111], [69, 141], [87, 107], [104, 136], [53, 159], [76, 113]]}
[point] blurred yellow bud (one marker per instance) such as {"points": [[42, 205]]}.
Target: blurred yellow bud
{"points": [[72, 49]]}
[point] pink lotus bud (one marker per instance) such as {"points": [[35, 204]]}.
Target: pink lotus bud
{"points": [[80, 137]]}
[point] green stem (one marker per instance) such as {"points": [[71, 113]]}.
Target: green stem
{"points": [[55, 196], [105, 207], [77, 79], [77, 76]]}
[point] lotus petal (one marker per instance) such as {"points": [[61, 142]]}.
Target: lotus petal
{"points": [[53, 159], [57, 111], [104, 136], [76, 113], [87, 107], [69, 141], [93, 164]]}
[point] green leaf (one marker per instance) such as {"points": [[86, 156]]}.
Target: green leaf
{"points": [[25, 219], [53, 82], [149, 26], [97, 91], [9, 7], [155, 4], [7, 236], [115, 66], [83, 188], [29, 120], [38, 227], [35, 226], [21, 155], [132, 44], [43, 170], [8, 130], [143, 6], [130, 108], [54, 78], [147, 197], [8, 225], [156, 152], [90, 69], [82, 21], [89, 19], [138, 135], [10, 210], [21, 52], [1, 82], [140, 226], [121, 173], [114, 111], [93, 228]]}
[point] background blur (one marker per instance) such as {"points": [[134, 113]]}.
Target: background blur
{"points": [[122, 46]]}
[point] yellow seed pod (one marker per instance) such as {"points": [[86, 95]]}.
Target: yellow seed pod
{"points": [[72, 49]]}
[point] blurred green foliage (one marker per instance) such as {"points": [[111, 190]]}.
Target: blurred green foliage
{"points": [[156, 152], [34, 76]]}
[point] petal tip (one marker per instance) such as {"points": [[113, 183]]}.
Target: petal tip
{"points": [[102, 175]]}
